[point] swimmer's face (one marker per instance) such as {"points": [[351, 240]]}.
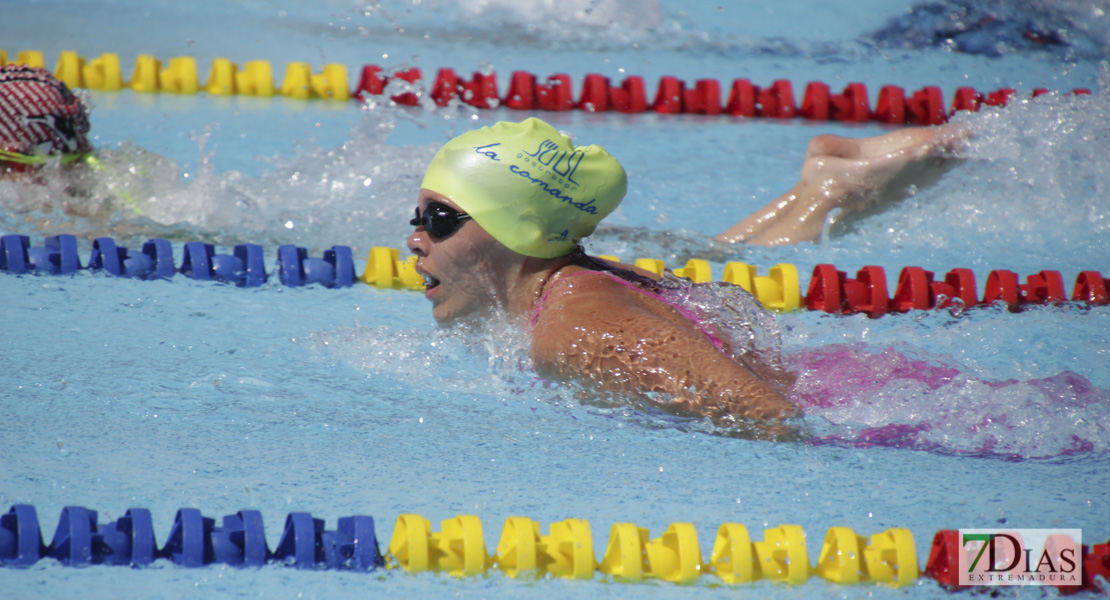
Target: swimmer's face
{"points": [[464, 271]]}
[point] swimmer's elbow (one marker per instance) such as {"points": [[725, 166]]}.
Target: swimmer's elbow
{"points": [[745, 395], [771, 406]]}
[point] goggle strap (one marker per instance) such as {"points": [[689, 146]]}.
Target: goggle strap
{"points": [[36, 159]]}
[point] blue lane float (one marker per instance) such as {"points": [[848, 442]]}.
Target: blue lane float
{"points": [[194, 540], [241, 542], [244, 267], [58, 255], [154, 261], [20, 537], [335, 269]]}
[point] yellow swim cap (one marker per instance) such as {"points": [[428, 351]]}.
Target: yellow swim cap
{"points": [[528, 185]]}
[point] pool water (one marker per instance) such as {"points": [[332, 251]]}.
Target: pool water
{"points": [[167, 394]]}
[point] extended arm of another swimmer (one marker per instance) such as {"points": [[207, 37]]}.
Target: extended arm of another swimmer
{"points": [[851, 177], [645, 347]]}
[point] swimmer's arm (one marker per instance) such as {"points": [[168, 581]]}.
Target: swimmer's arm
{"points": [[853, 177], [797, 216], [641, 352]]}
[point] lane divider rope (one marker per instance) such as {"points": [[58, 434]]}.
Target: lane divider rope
{"points": [[407, 86], [829, 290], [459, 549]]}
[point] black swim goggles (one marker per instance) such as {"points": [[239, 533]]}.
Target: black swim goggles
{"points": [[439, 220]]}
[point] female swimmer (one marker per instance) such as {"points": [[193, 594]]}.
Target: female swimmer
{"points": [[498, 222]]}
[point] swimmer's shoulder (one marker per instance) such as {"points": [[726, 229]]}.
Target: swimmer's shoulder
{"points": [[592, 300], [575, 285], [573, 277], [582, 313]]}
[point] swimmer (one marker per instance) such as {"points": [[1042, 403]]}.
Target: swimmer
{"points": [[498, 222], [40, 117]]}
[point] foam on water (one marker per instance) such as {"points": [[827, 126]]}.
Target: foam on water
{"points": [[1046, 158], [455, 359]]}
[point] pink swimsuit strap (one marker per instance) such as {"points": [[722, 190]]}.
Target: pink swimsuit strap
{"points": [[686, 313]]}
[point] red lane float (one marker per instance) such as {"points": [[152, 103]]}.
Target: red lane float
{"points": [[969, 99], [595, 93], [557, 94], [1096, 563], [480, 92], [925, 106], [373, 82], [668, 98], [891, 107], [522, 91], [631, 96], [851, 105], [777, 101], [742, 99], [832, 291], [704, 99], [944, 558], [1092, 287], [599, 96]]}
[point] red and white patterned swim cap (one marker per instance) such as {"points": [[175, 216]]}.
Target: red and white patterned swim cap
{"points": [[39, 115]]}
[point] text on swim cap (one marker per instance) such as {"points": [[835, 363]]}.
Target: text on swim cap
{"points": [[582, 206], [550, 156], [490, 154]]}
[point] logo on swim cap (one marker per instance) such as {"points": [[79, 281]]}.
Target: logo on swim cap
{"points": [[528, 185]]}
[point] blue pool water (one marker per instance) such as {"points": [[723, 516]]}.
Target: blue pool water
{"points": [[122, 393]]}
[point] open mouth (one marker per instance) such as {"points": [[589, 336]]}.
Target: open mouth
{"points": [[429, 281]]}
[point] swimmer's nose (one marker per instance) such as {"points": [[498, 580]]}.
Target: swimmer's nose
{"points": [[418, 242]]}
